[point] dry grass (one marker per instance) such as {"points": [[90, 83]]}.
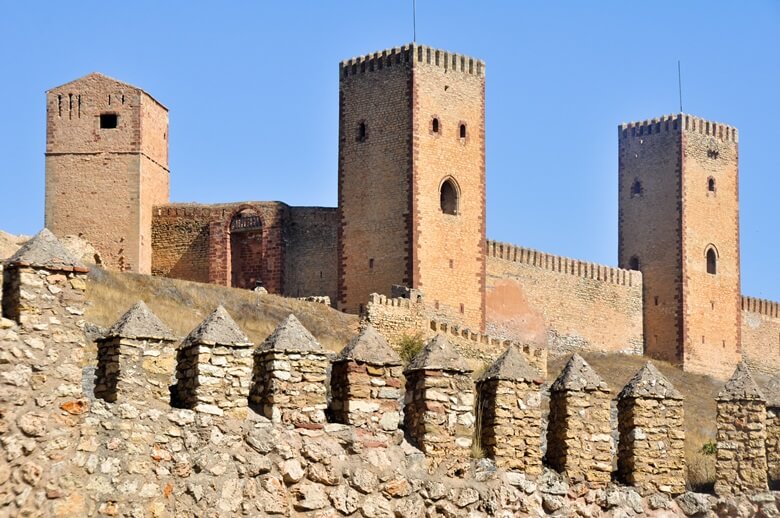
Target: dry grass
{"points": [[699, 393], [182, 305]]}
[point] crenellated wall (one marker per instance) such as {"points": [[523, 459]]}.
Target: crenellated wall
{"points": [[761, 334], [567, 303]]}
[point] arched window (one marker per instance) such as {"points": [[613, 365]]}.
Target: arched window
{"points": [[711, 184], [435, 125], [633, 263], [712, 261], [361, 133], [462, 131], [636, 188], [448, 197]]}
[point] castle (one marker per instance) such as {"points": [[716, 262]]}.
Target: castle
{"points": [[411, 212]]}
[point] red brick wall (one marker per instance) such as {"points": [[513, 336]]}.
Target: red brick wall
{"points": [[192, 242], [761, 334], [102, 183], [569, 304]]}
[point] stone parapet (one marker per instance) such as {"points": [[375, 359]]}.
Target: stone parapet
{"points": [[651, 448], [366, 383], [214, 367], [136, 359], [579, 440], [741, 461], [289, 377], [509, 413], [439, 411]]}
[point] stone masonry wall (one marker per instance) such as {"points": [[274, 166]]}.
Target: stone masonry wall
{"points": [[761, 334], [127, 367], [399, 318], [569, 304], [439, 412], [366, 395], [214, 378], [311, 258], [192, 242], [86, 165], [510, 420], [773, 443]]}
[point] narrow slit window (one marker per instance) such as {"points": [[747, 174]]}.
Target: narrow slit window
{"points": [[636, 189], [711, 184], [59, 105], [712, 261], [633, 263], [435, 125], [462, 131], [109, 120], [361, 133]]}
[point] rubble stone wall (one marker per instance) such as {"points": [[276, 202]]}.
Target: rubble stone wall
{"points": [[741, 463]]}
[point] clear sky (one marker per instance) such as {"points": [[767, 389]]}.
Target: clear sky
{"points": [[252, 89]]}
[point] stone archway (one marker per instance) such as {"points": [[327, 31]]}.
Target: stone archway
{"points": [[246, 250]]}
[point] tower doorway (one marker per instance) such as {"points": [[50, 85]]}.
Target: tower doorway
{"points": [[246, 250]]}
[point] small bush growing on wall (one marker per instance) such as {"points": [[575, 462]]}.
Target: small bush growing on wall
{"points": [[410, 346]]}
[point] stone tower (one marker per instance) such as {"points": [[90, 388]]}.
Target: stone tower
{"points": [[412, 179], [106, 166], [679, 225]]}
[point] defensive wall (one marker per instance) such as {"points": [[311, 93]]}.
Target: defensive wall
{"points": [[567, 303], [287, 250], [136, 451], [761, 334]]}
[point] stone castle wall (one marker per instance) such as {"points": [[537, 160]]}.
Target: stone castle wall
{"points": [[566, 303], [761, 334], [311, 259], [101, 183], [401, 318]]}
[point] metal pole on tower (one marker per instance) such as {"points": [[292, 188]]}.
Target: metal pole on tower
{"points": [[414, 21], [679, 83]]}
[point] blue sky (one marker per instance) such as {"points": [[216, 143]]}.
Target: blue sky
{"points": [[252, 89]]}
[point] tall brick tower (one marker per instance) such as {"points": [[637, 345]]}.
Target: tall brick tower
{"points": [[679, 225], [106, 166], [412, 179]]}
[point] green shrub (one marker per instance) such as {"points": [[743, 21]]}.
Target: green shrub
{"points": [[709, 448], [410, 346]]}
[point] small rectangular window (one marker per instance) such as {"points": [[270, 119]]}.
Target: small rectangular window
{"points": [[371, 264], [109, 120]]}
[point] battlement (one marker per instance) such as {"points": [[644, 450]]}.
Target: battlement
{"points": [[677, 122], [535, 355], [412, 53], [556, 263], [761, 306]]}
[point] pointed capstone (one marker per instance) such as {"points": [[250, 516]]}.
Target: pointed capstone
{"points": [[290, 335], [512, 365], [741, 386], [140, 323], [578, 376], [772, 392], [218, 328], [649, 383], [44, 250], [438, 354], [369, 347]]}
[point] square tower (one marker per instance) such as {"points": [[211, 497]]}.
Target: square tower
{"points": [[106, 167], [679, 225], [412, 179]]}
